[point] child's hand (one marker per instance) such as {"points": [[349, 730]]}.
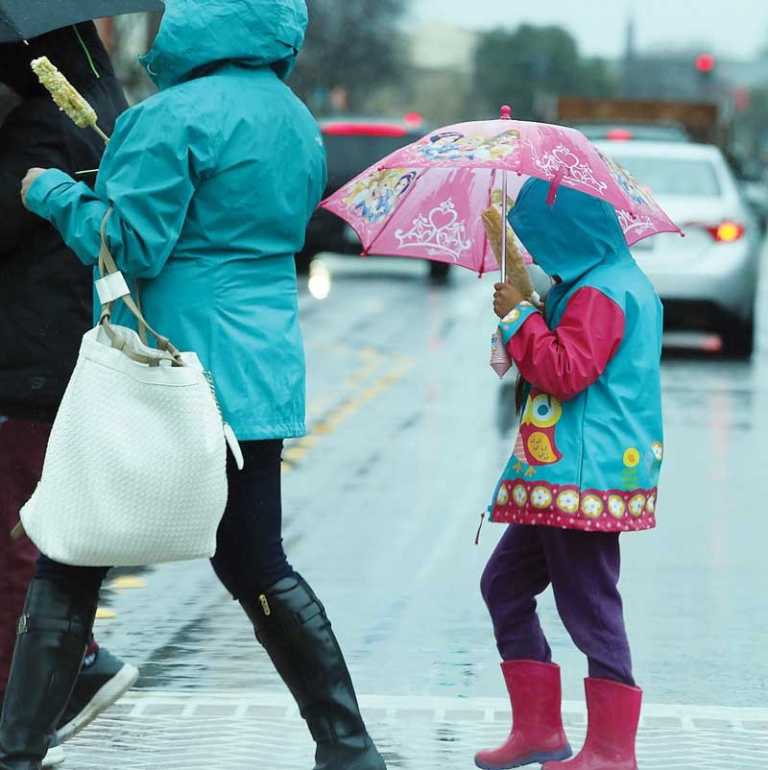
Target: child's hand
{"points": [[506, 297]]}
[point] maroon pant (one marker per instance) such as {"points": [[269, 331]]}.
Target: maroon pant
{"points": [[583, 569], [22, 449]]}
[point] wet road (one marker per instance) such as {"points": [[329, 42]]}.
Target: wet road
{"points": [[409, 430]]}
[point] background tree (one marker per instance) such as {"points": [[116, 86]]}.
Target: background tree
{"points": [[530, 64], [353, 47]]}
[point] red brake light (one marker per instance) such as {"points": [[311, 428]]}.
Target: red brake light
{"points": [[619, 135], [726, 232], [364, 129]]}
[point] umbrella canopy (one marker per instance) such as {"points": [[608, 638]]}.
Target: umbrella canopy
{"points": [[23, 20], [426, 200]]}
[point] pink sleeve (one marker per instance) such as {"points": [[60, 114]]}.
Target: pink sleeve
{"points": [[569, 359]]}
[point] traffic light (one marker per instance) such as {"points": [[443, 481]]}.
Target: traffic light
{"points": [[705, 76], [705, 64]]}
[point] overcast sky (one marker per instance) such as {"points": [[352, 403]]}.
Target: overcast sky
{"points": [[736, 28]]}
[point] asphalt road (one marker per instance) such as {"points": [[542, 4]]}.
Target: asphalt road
{"points": [[409, 430], [386, 504]]}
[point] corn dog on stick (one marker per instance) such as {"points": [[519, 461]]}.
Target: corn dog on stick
{"points": [[66, 96], [516, 272]]}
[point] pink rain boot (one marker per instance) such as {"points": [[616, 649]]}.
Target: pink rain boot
{"points": [[613, 716], [537, 727]]}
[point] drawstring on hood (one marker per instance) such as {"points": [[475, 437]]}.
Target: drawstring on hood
{"points": [[196, 35], [569, 237]]}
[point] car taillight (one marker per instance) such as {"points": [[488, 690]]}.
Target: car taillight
{"points": [[726, 232], [363, 129], [619, 135], [414, 119]]}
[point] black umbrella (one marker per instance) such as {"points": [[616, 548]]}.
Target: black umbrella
{"points": [[25, 19]]}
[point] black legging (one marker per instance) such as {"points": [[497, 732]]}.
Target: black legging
{"points": [[249, 554]]}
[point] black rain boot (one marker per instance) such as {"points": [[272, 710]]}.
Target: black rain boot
{"points": [[291, 624], [52, 636]]}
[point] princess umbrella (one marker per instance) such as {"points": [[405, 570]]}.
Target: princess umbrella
{"points": [[425, 200]]}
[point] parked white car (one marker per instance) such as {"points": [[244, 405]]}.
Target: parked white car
{"points": [[708, 279]]}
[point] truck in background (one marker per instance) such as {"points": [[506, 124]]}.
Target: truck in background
{"points": [[654, 120], [665, 121]]}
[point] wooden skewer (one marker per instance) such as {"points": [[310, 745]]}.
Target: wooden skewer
{"points": [[101, 134]]}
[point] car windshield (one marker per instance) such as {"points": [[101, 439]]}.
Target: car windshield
{"points": [[348, 155], [674, 176]]}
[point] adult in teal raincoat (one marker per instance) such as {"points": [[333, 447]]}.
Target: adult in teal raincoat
{"points": [[211, 183]]}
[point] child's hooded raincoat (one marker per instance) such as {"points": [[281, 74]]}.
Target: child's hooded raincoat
{"points": [[212, 182], [590, 445]]}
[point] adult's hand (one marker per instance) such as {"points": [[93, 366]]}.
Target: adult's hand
{"points": [[506, 297], [26, 183]]}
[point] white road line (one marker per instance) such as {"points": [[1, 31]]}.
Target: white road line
{"points": [[441, 708]]}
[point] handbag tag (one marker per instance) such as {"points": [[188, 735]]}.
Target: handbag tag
{"points": [[111, 287]]}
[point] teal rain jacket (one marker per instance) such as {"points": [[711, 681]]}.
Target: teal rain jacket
{"points": [[212, 182], [590, 445]]}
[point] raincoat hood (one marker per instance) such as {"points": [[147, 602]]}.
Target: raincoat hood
{"points": [[77, 51], [196, 34], [571, 237]]}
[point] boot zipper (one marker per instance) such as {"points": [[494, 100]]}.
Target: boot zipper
{"points": [[23, 626], [265, 605]]}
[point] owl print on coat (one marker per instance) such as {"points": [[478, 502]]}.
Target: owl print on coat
{"points": [[536, 443]]}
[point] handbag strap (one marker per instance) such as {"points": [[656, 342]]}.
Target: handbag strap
{"points": [[108, 266]]}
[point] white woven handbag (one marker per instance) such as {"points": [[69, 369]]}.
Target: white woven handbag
{"points": [[135, 470]]}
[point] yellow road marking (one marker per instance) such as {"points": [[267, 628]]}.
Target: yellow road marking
{"points": [[127, 582], [328, 422], [294, 453]]}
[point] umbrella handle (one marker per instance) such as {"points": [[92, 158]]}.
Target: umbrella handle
{"points": [[503, 265]]}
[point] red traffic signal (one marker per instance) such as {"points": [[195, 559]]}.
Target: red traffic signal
{"points": [[705, 63]]}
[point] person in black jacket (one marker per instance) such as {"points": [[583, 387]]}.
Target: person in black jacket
{"points": [[45, 308]]}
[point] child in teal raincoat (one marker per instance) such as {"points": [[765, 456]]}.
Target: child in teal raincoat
{"points": [[584, 469]]}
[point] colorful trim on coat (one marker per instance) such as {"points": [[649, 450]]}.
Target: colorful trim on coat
{"points": [[519, 501]]}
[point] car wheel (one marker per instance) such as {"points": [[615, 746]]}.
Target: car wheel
{"points": [[739, 337], [439, 271], [304, 260]]}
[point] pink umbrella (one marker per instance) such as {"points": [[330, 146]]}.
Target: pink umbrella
{"points": [[425, 200]]}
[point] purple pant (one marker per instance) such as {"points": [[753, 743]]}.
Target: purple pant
{"points": [[583, 568]]}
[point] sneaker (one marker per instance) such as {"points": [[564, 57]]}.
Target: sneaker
{"points": [[54, 757], [99, 685]]}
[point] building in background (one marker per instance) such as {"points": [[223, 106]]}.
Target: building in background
{"points": [[441, 63]]}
